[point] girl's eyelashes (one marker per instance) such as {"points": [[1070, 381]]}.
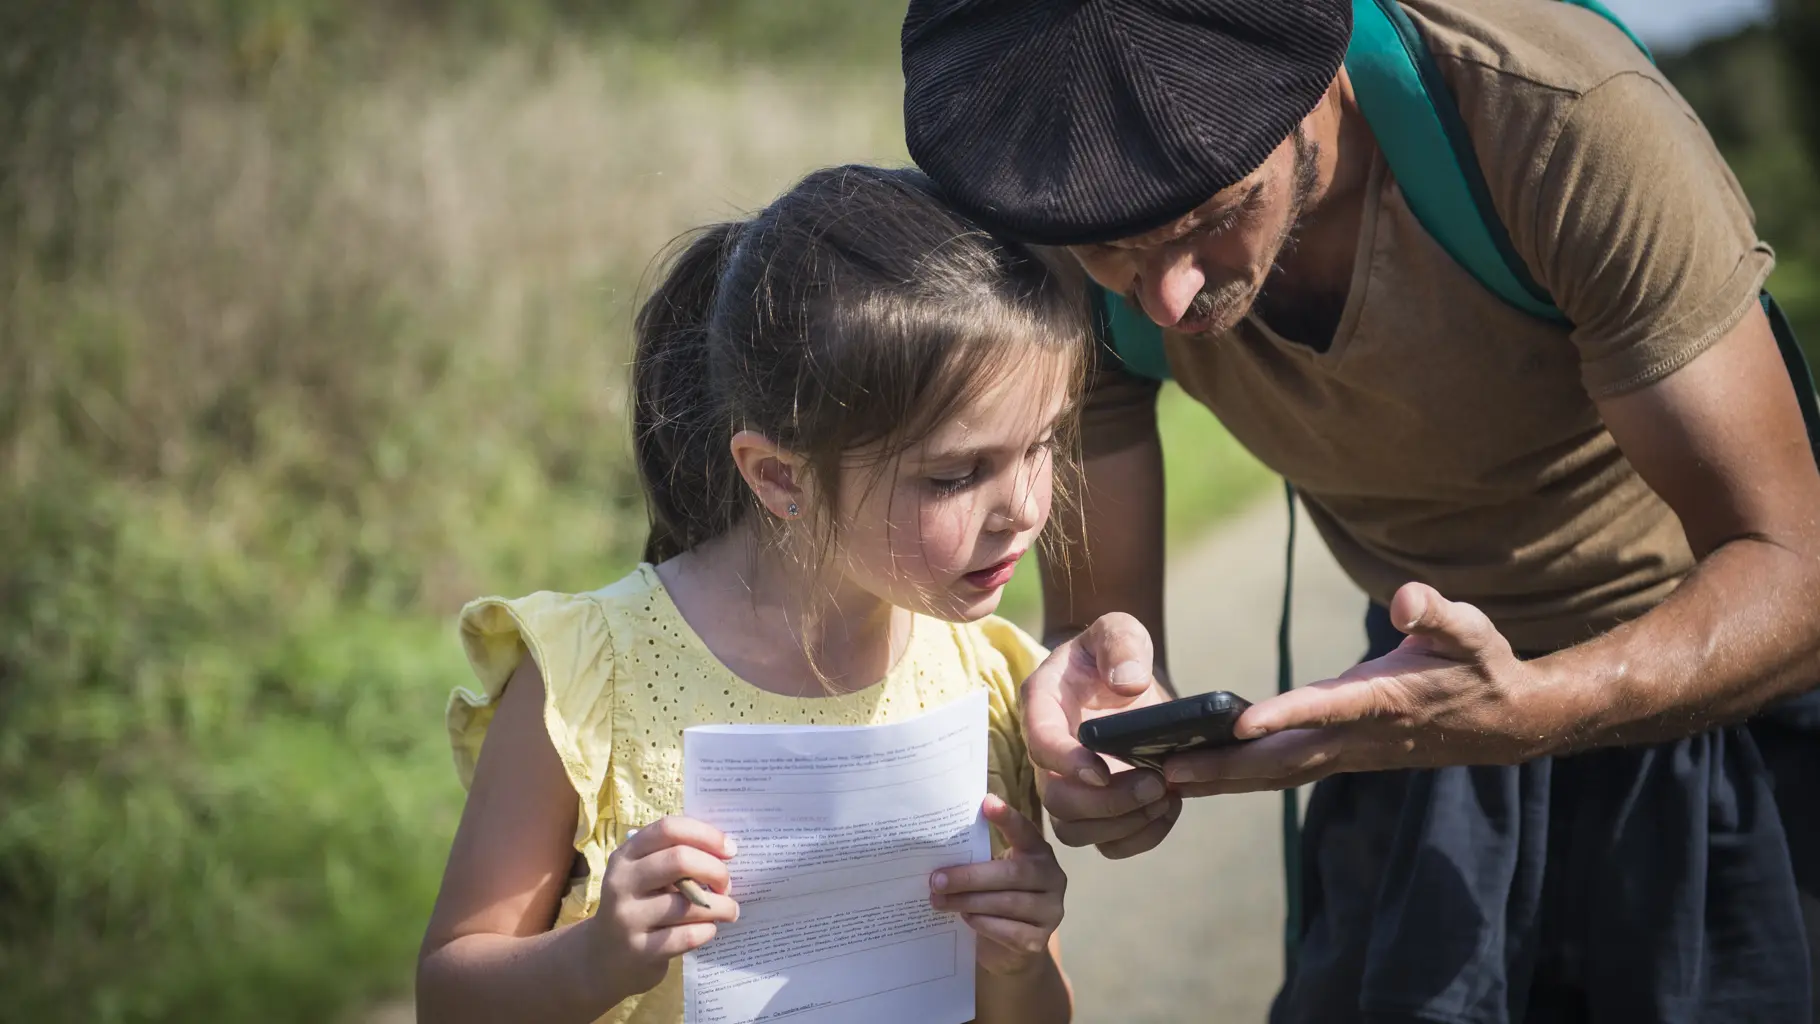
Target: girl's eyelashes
{"points": [[955, 484], [945, 485]]}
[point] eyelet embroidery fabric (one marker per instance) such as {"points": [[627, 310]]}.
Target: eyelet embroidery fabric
{"points": [[624, 674]]}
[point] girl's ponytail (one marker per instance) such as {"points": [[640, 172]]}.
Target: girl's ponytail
{"points": [[680, 421]]}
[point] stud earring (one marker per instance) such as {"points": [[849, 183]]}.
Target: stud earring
{"points": [[793, 511]]}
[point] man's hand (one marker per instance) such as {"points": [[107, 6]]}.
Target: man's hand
{"points": [[1106, 669], [1453, 693]]}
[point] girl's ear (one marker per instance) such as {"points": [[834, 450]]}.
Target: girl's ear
{"points": [[775, 475]]}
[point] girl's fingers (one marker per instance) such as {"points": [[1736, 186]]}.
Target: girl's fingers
{"points": [[1017, 935], [1041, 909], [677, 830], [669, 943], [1022, 873], [655, 913], [1022, 834], [661, 871]]}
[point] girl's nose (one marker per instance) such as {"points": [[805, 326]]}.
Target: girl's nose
{"points": [[1019, 513]]}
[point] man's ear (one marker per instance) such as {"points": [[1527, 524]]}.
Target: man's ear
{"points": [[779, 478]]}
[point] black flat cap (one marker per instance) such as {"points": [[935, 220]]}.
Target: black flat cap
{"points": [[1066, 122]]}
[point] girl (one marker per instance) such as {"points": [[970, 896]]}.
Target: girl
{"points": [[846, 414]]}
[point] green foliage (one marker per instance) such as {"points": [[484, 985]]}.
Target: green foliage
{"points": [[1798, 27], [1757, 95]]}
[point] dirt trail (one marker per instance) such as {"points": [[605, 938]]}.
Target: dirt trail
{"points": [[1192, 931]]}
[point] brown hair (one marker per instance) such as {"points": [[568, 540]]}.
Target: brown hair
{"points": [[856, 311]]}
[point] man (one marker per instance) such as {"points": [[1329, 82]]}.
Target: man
{"points": [[1579, 789]]}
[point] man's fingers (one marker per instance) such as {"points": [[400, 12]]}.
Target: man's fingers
{"points": [[1118, 647], [1050, 718], [1350, 698], [1146, 838], [1068, 800], [1106, 668], [1229, 787], [1284, 755], [1101, 831], [1021, 834], [1451, 628]]}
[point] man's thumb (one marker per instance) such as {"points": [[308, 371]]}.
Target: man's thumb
{"points": [[1451, 628], [1121, 650]]}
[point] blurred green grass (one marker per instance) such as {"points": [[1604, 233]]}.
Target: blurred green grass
{"points": [[299, 349]]}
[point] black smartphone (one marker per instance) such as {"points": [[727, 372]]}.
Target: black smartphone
{"points": [[1146, 736]]}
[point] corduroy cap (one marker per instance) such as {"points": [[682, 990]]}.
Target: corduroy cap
{"points": [[1065, 122]]}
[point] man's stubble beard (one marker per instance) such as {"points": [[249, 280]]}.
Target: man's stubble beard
{"points": [[1225, 304]]}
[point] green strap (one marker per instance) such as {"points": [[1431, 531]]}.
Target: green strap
{"points": [[1397, 85], [1800, 374], [1292, 818]]}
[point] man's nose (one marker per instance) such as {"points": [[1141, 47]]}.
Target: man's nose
{"points": [[1167, 283]]}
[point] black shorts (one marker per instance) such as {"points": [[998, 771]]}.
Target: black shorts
{"points": [[1675, 883]]}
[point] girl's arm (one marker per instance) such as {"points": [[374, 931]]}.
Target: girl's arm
{"points": [[1039, 994], [1014, 906], [489, 954]]}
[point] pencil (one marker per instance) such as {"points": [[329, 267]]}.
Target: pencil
{"points": [[691, 891]]}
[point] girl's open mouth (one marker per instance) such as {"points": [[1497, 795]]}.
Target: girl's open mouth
{"points": [[993, 576]]}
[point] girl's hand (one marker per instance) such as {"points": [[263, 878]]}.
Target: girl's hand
{"points": [[1013, 904], [643, 922]]}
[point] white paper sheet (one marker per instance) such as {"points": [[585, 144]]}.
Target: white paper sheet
{"points": [[838, 829]]}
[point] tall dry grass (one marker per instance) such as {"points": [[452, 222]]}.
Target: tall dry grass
{"points": [[285, 373]]}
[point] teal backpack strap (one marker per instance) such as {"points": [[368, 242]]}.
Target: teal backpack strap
{"points": [[1418, 128], [1425, 143], [1131, 338]]}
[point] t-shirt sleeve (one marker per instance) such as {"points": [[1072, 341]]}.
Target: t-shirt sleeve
{"points": [[1641, 233], [568, 638], [1010, 775]]}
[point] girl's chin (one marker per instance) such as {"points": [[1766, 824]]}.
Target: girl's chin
{"points": [[973, 604]]}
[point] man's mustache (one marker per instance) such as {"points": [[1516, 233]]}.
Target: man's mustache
{"points": [[1207, 303]]}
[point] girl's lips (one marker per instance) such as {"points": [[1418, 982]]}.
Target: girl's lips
{"points": [[993, 576]]}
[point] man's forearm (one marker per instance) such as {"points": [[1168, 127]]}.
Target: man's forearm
{"points": [[1742, 632]]}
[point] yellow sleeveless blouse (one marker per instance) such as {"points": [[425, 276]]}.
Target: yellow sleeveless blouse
{"points": [[624, 675]]}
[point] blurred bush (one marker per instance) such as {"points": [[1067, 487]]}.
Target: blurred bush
{"points": [[1758, 91], [312, 324]]}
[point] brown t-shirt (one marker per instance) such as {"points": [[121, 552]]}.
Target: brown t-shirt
{"points": [[1447, 438]]}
